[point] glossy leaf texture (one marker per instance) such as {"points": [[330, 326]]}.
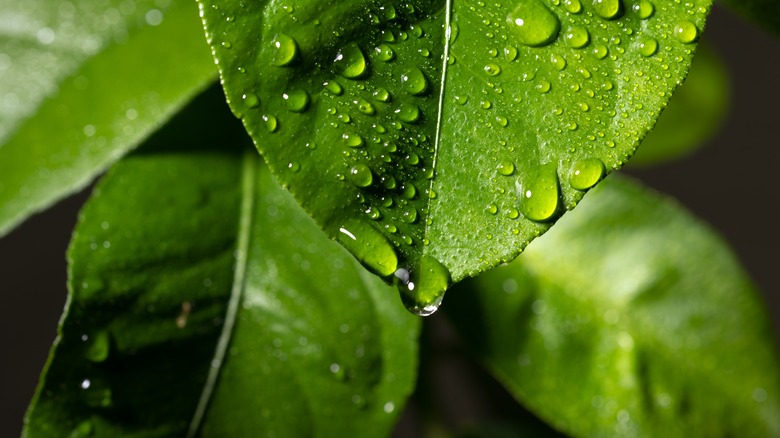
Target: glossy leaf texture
{"points": [[435, 138], [205, 302], [630, 318], [693, 116], [83, 82]]}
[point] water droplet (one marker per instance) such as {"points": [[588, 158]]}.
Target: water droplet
{"points": [[607, 9], [586, 173], [334, 88], [600, 51], [543, 86], [533, 24], [98, 346], [510, 53], [285, 50], [271, 124], [381, 95], [644, 9], [365, 107], [506, 168], [492, 69], [422, 288], [369, 246], [389, 407], [577, 37], [96, 393], [538, 192], [573, 6], [250, 100], [408, 112], [408, 190], [414, 82], [361, 175], [686, 32], [384, 53], [352, 140], [461, 100], [648, 46], [297, 100], [410, 216], [558, 61], [350, 62], [390, 13]]}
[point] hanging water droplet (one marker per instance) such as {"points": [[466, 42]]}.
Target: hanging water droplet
{"points": [[297, 100], [250, 100], [422, 288], [350, 62], [414, 81], [644, 9], [285, 50], [98, 346], [538, 192], [607, 9], [360, 175], [369, 246], [686, 32], [586, 173], [533, 24], [384, 53], [648, 46], [577, 37]]}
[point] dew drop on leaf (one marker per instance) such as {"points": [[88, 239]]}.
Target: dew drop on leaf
{"points": [[385, 53], [285, 50], [422, 288], [573, 6], [686, 32], [250, 100], [97, 346], [408, 112], [413, 81], [350, 62], [271, 123], [607, 9], [586, 173], [538, 192], [644, 9], [577, 37], [648, 46], [297, 100], [360, 175], [369, 246], [506, 168], [533, 24]]}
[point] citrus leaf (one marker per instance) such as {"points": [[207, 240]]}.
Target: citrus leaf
{"points": [[204, 300], [693, 115], [82, 83], [435, 139], [630, 318]]}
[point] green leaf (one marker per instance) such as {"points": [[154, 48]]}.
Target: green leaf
{"points": [[765, 12], [203, 299], [693, 115], [630, 318], [442, 157], [83, 83]]}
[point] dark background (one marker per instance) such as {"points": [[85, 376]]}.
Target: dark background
{"points": [[730, 184]]}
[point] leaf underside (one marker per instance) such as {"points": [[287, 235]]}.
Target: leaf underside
{"points": [[630, 318], [189, 311], [443, 157]]}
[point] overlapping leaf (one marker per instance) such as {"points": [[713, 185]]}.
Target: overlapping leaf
{"points": [[630, 318], [83, 82], [436, 138], [204, 300]]}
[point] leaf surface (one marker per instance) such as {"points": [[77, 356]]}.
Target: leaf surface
{"points": [[435, 139], [630, 318], [83, 82], [204, 301]]}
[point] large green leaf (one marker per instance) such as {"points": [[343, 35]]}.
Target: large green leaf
{"points": [[81, 83], [630, 318], [436, 138], [203, 299], [693, 115]]}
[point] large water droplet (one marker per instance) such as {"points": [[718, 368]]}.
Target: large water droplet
{"points": [[98, 346], [538, 192], [414, 81], [533, 24], [369, 246], [285, 50], [408, 112], [686, 32], [422, 288], [361, 175], [384, 53], [297, 100], [607, 9], [586, 173], [648, 46], [350, 62], [577, 37]]}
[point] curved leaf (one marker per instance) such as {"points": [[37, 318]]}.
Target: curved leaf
{"points": [[693, 115], [203, 300], [82, 83], [631, 318], [444, 156]]}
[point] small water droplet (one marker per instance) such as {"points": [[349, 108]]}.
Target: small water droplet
{"points": [[510, 53], [297, 100], [533, 24], [644, 9], [538, 192], [365, 106], [271, 123], [686, 32], [558, 61], [422, 288], [352, 140], [98, 346], [461, 100], [350, 62], [543, 86], [586, 173], [361, 175], [492, 69], [506, 168], [607, 9], [334, 88], [577, 37], [414, 81], [408, 112], [600, 51], [285, 50], [648, 46], [384, 53], [250, 100], [381, 95], [369, 246]]}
